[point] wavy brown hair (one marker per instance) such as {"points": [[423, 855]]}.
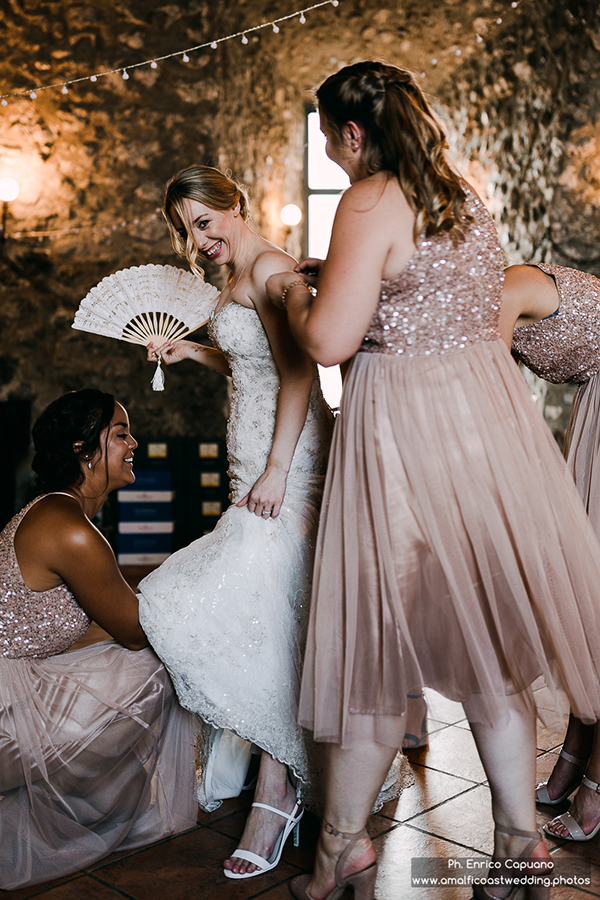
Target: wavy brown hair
{"points": [[209, 186], [402, 137]]}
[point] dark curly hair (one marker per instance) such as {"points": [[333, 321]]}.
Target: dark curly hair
{"points": [[73, 417]]}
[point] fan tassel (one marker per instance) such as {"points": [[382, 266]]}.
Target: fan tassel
{"points": [[158, 381]]}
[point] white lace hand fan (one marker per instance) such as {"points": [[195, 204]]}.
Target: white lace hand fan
{"points": [[147, 303]]}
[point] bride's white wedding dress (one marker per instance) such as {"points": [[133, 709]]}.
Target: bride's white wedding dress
{"points": [[228, 614]]}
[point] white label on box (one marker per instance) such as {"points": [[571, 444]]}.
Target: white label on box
{"points": [[157, 451], [210, 479], [142, 559], [211, 508], [146, 527], [208, 451], [145, 496]]}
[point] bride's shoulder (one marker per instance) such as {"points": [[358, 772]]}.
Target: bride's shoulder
{"points": [[270, 261]]}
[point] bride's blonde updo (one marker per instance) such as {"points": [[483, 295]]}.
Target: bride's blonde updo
{"points": [[209, 186], [402, 136]]}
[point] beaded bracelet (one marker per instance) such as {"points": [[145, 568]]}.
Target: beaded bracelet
{"points": [[292, 284]]}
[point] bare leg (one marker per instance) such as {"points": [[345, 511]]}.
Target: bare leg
{"points": [[578, 742], [353, 781], [263, 827], [585, 806], [508, 757]]}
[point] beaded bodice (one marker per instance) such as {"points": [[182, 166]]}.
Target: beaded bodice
{"points": [[565, 346], [238, 332], [34, 623], [446, 297]]}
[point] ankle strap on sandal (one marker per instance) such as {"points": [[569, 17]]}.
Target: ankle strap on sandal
{"points": [[346, 835], [592, 785], [577, 761], [516, 832]]}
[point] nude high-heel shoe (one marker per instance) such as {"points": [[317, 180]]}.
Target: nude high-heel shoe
{"points": [[541, 791], [363, 882], [532, 892]]}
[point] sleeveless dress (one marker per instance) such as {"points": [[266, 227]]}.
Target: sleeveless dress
{"points": [[96, 755], [453, 550], [566, 347], [228, 614]]}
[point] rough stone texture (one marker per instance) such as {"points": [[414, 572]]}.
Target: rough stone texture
{"points": [[520, 97]]}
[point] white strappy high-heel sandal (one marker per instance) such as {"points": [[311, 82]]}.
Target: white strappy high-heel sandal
{"points": [[265, 865]]}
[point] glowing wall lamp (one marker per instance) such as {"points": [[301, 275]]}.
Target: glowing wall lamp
{"points": [[9, 190], [291, 215]]}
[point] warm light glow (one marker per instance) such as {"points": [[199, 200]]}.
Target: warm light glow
{"points": [[291, 214], [9, 189]]}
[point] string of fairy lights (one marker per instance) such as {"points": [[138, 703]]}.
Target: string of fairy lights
{"points": [[184, 55]]}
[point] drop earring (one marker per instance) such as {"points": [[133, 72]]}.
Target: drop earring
{"points": [[89, 464]]}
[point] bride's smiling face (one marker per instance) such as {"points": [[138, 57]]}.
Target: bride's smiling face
{"points": [[212, 230]]}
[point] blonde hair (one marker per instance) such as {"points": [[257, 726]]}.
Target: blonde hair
{"points": [[402, 137], [209, 186]]}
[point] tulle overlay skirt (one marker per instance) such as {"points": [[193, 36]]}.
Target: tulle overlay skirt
{"points": [[582, 447], [97, 756], [453, 552]]}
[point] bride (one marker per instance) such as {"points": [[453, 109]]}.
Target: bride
{"points": [[228, 614]]}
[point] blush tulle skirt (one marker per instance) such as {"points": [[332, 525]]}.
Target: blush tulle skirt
{"points": [[453, 552], [97, 756], [582, 446]]}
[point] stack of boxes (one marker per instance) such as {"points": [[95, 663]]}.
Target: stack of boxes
{"points": [[146, 519], [181, 489], [207, 485]]}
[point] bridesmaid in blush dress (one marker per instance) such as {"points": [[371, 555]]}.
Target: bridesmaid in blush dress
{"points": [[96, 755], [550, 318], [452, 552]]}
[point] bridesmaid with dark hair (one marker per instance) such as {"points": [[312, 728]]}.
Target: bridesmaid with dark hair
{"points": [[452, 552], [96, 755]]}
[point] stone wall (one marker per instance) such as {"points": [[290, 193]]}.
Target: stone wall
{"points": [[520, 97]]}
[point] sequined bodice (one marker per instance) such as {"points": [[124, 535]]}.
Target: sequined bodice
{"points": [[34, 623], [566, 346], [238, 332], [446, 297]]}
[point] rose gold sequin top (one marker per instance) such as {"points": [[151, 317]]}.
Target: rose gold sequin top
{"points": [[446, 297], [34, 623], [564, 346]]}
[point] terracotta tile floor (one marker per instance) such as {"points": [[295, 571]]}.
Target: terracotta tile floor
{"points": [[446, 813]]}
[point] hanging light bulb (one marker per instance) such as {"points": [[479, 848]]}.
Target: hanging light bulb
{"points": [[244, 39], [291, 214], [64, 89], [214, 45], [9, 189], [185, 57], [275, 27], [4, 101], [153, 64], [93, 78], [302, 19], [125, 74], [33, 95]]}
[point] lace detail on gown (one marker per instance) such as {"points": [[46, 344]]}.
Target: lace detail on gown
{"points": [[228, 614]]}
